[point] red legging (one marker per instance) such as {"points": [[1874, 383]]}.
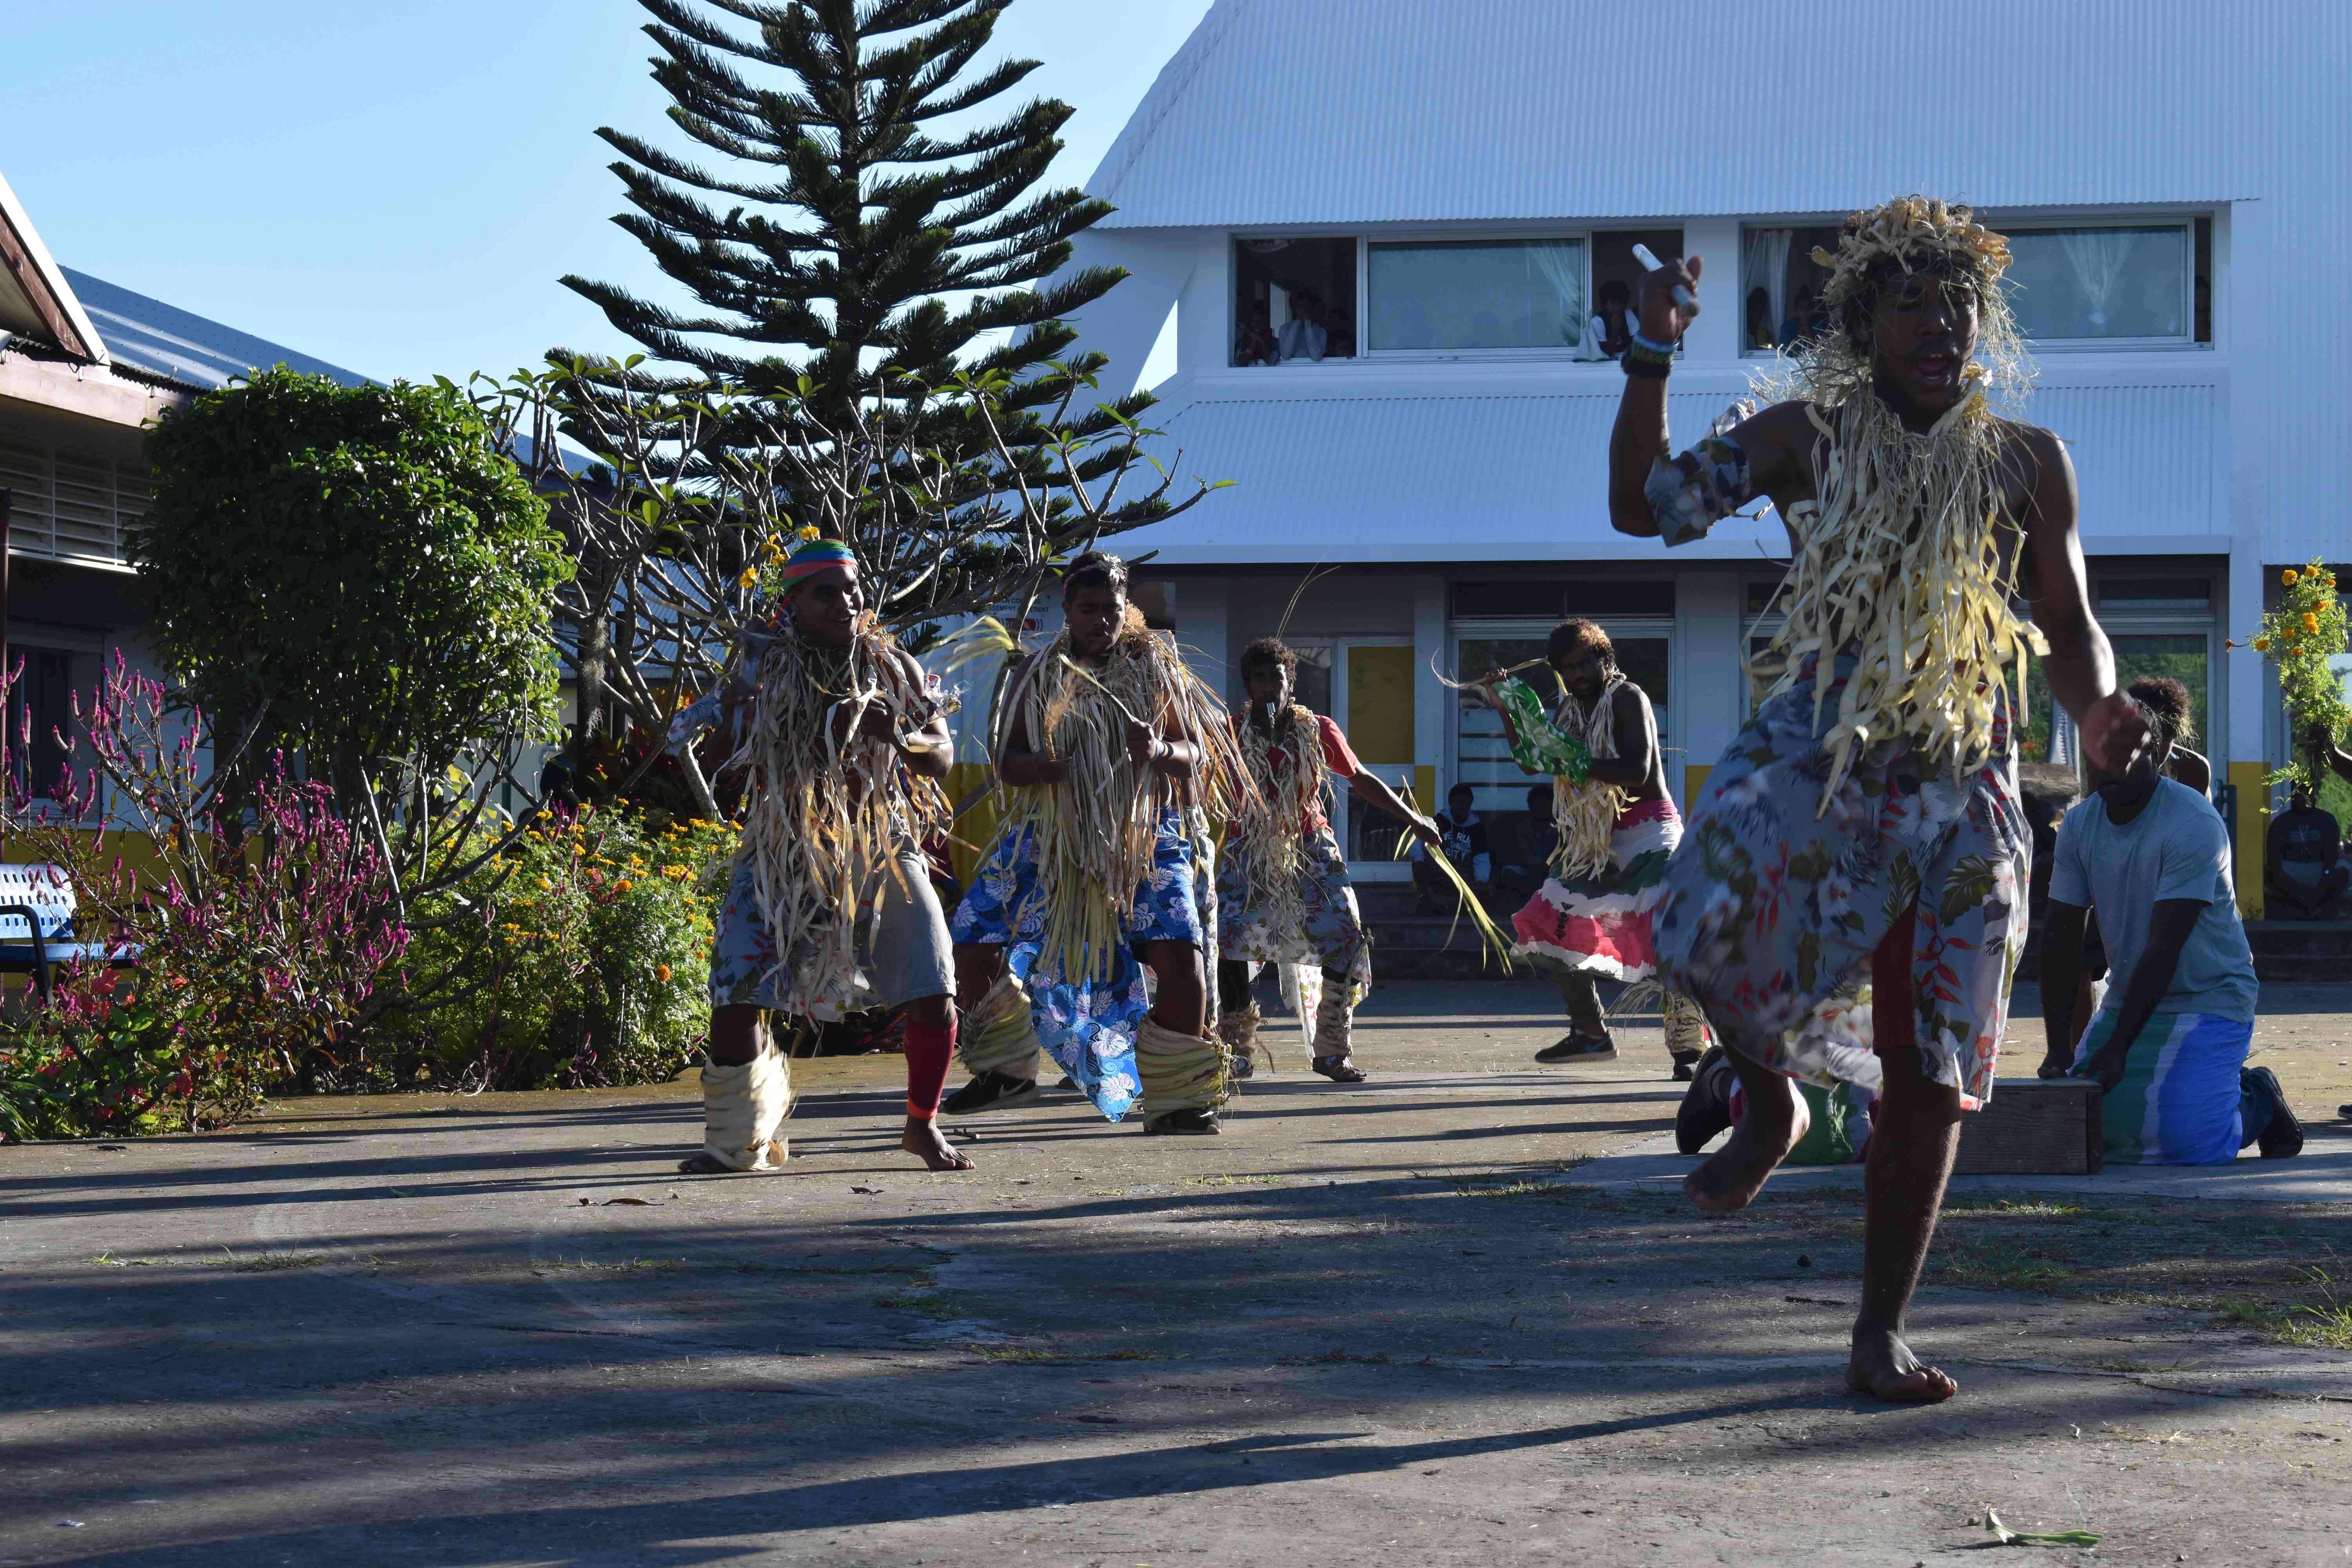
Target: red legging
{"points": [[929, 1050]]}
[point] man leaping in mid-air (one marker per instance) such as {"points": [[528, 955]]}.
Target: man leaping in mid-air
{"points": [[1865, 827]]}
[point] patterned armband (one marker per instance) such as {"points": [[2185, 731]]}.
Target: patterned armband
{"points": [[1689, 494]]}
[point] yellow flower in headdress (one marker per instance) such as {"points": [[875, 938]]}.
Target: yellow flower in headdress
{"points": [[750, 575], [2262, 645], [808, 531], [2287, 578]]}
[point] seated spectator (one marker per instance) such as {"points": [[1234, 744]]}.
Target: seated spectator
{"points": [[1840, 1133], [1612, 325], [2168, 1045], [1759, 320], [2169, 700], [1339, 322], [1799, 324], [1302, 336], [2305, 874], [1463, 835], [1524, 847], [1254, 344]]}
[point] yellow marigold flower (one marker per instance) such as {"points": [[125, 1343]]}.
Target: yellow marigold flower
{"points": [[808, 530], [622, 886], [2310, 622], [750, 575], [661, 973], [544, 884], [2288, 578], [2262, 645]]}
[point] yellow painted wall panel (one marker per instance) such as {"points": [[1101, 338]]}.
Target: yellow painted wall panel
{"points": [[2250, 854], [1380, 703], [1695, 780]]}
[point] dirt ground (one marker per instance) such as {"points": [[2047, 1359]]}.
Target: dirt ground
{"points": [[1395, 1323]]}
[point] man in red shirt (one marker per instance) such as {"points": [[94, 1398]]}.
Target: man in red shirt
{"points": [[1283, 892]]}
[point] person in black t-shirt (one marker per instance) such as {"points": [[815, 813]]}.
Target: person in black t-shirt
{"points": [[1463, 835], [2304, 873]]}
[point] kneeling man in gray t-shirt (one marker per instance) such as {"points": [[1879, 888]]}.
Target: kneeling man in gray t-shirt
{"points": [[2169, 1046]]}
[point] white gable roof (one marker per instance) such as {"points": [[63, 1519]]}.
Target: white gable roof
{"points": [[34, 298], [1328, 112]]}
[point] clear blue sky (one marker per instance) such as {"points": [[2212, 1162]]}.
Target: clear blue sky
{"points": [[395, 186]]}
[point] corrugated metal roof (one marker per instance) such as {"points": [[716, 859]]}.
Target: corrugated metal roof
{"points": [[1516, 478], [1319, 112], [164, 340]]}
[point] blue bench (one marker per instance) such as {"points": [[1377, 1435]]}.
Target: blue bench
{"points": [[37, 927]]}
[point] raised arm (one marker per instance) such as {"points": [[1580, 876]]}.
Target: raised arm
{"points": [[2081, 666], [1652, 493]]}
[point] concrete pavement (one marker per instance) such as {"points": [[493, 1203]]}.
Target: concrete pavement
{"points": [[1436, 1319]]}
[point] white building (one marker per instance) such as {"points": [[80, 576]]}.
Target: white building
{"points": [[1443, 187]]}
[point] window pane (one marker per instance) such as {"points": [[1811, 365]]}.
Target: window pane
{"points": [[2183, 658], [1478, 294], [1294, 301], [2079, 283], [1781, 286]]}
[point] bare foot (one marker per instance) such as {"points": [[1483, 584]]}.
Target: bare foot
{"points": [[1883, 1366], [926, 1140], [1735, 1173]]}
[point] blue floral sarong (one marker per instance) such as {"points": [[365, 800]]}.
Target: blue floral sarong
{"points": [[1089, 1026]]}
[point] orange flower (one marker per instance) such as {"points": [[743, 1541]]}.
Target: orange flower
{"points": [[622, 886], [2262, 645], [661, 973], [2287, 577], [2310, 622]]}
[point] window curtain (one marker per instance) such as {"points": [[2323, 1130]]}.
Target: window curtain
{"points": [[1764, 253], [1561, 265], [2097, 257]]}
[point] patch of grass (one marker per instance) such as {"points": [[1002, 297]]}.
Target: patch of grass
{"points": [[2322, 1322], [2033, 1210], [1031, 1355], [1993, 1263], [2143, 1365], [108, 1260], [929, 1305], [1229, 1181], [623, 1266], [1348, 1358], [901, 1271], [1542, 1190], [265, 1262]]}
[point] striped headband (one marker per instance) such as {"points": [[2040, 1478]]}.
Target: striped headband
{"points": [[816, 555]]}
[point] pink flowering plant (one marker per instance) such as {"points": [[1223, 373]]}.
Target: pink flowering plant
{"points": [[256, 952]]}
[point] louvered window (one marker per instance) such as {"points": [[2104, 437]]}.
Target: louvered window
{"points": [[69, 505]]}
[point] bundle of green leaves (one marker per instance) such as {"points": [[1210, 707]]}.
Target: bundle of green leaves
{"points": [[2303, 636]]}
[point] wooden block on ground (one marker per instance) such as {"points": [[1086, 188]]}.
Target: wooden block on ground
{"points": [[2034, 1127]]}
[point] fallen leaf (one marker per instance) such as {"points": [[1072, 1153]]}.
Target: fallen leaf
{"points": [[866, 1189], [633, 1202]]}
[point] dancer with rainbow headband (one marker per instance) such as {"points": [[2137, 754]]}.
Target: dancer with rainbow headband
{"points": [[829, 907], [1865, 826], [1113, 756]]}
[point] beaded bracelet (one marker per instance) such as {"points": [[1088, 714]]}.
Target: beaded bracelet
{"points": [[1643, 358]]}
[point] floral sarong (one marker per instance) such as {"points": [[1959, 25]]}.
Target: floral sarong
{"points": [[1089, 1026], [1771, 914], [1600, 925], [1330, 936]]}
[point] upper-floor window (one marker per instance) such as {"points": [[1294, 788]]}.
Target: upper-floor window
{"points": [[1294, 301], [1310, 300], [2133, 284]]}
